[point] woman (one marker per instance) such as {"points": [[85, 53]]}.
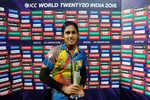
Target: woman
{"points": [[63, 62]]}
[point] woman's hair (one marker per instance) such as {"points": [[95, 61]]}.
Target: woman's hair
{"points": [[67, 24]]}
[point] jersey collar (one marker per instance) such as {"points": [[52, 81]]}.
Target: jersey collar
{"points": [[64, 47]]}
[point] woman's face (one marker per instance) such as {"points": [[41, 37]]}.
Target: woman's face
{"points": [[70, 35]]}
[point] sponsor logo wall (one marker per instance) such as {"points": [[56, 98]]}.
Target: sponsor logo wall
{"points": [[30, 34], [134, 50], [117, 44]]}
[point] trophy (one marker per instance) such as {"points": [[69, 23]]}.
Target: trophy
{"points": [[76, 79]]}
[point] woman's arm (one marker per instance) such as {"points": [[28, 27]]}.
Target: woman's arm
{"points": [[67, 90], [44, 76]]}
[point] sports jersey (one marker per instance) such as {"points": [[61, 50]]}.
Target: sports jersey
{"points": [[62, 63]]}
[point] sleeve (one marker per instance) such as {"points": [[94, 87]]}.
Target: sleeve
{"points": [[50, 58], [49, 61], [83, 71], [44, 76]]}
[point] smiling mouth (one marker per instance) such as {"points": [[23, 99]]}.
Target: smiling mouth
{"points": [[71, 40]]}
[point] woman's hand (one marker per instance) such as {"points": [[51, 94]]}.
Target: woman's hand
{"points": [[81, 93], [73, 89]]}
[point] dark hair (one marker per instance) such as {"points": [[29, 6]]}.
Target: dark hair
{"points": [[67, 24]]}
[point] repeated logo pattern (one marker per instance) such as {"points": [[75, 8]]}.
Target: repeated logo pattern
{"points": [[117, 44]]}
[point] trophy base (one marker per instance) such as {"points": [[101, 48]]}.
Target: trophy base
{"points": [[75, 96]]}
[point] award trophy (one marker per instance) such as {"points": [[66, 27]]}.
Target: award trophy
{"points": [[76, 80]]}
